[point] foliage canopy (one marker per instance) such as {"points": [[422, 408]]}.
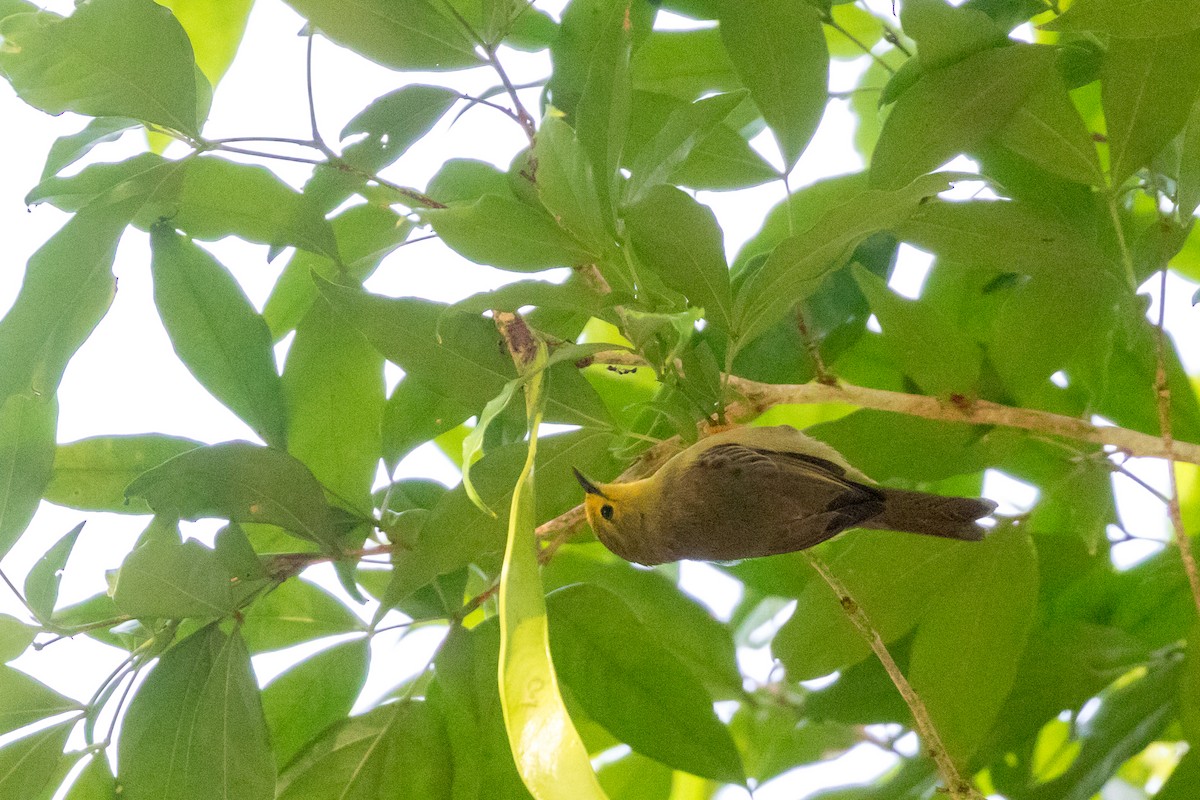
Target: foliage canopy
{"points": [[1046, 673]]}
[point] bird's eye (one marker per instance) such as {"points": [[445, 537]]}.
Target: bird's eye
{"points": [[606, 511]]}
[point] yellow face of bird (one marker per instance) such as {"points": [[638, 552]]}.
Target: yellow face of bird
{"points": [[613, 512]]}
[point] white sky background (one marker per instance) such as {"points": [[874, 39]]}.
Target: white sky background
{"points": [[126, 378]]}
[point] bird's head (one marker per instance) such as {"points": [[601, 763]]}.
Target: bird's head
{"points": [[615, 512]]}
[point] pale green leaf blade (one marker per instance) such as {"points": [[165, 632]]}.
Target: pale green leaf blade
{"points": [[217, 333], [682, 242], [173, 580], [977, 628], [24, 700], [66, 150], [27, 431], [780, 54], [505, 233], [195, 729], [27, 764], [241, 482], [1143, 19], [333, 383], [42, 582], [1148, 87], [215, 31], [91, 474], [111, 58], [411, 35]]}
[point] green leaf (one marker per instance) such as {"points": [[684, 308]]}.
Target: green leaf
{"points": [[780, 54], [395, 122], [111, 58], [42, 582], [24, 700], [313, 695], [1148, 87], [1005, 237], [1189, 689], [195, 728], [945, 34], [333, 382], [721, 161], [799, 263], [395, 751], [27, 430], [415, 36], [628, 682], [215, 31], [1048, 130], [296, 611], [1184, 782], [217, 334], [68, 287], [1146, 19], [686, 64], [636, 776], [977, 627], [169, 579], [566, 186], [91, 474], [924, 341], [819, 639], [682, 133], [216, 198], [954, 109], [28, 764], [135, 179], [414, 415], [240, 482], [15, 637], [66, 150], [94, 782], [505, 233], [365, 235], [682, 242], [1187, 191], [680, 624], [549, 753]]}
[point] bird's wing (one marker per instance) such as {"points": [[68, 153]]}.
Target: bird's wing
{"points": [[798, 499]]}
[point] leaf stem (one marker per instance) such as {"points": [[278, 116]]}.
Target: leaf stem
{"points": [[958, 787], [1163, 390], [1122, 245], [522, 115], [861, 45]]}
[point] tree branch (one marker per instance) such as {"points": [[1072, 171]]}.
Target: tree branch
{"points": [[958, 787]]}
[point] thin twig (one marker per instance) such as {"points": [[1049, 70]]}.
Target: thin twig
{"points": [[271, 139], [833, 23], [1163, 390], [312, 103], [263, 154], [958, 787], [523, 116]]}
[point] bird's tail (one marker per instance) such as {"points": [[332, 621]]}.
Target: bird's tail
{"points": [[931, 514]]}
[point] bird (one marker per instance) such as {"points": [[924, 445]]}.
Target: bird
{"points": [[760, 491]]}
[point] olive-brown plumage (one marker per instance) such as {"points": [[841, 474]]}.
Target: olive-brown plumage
{"points": [[753, 492]]}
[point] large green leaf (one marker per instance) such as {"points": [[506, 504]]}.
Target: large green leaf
{"points": [[628, 682], [1129, 20], [506, 233], [28, 764], [313, 695], [681, 241], [91, 474], [24, 700], [296, 611], [952, 110], [215, 31], [241, 482], [796, 267], [168, 578], [333, 381], [27, 429], [686, 64], [121, 58], [1148, 87], [68, 149], [567, 184], [967, 649], [68, 287], [45, 577], [217, 333], [1048, 130], [395, 752], [195, 728], [415, 35], [780, 54], [923, 339]]}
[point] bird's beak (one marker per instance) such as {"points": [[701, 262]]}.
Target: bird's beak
{"points": [[587, 485]]}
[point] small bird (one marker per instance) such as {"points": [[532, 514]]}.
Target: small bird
{"points": [[751, 492]]}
